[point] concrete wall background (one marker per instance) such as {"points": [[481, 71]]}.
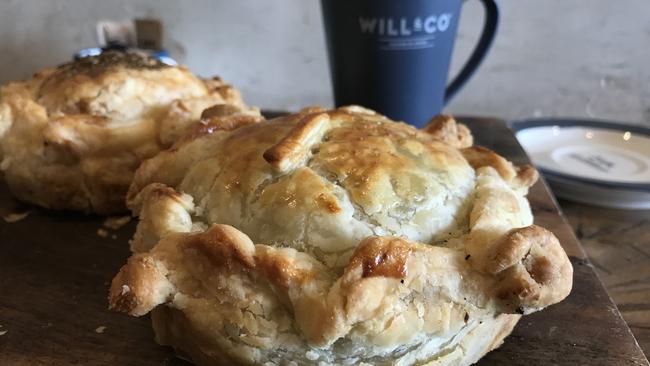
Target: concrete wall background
{"points": [[554, 57]]}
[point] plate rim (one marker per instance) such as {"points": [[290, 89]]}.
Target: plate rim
{"points": [[523, 124]]}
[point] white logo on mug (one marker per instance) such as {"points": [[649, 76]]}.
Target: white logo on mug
{"points": [[404, 33], [402, 27]]}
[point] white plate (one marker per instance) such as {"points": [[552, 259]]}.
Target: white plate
{"points": [[602, 163], [599, 196]]}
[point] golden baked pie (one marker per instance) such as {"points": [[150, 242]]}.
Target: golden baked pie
{"points": [[335, 238], [72, 136]]}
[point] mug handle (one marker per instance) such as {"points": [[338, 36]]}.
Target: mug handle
{"points": [[487, 36]]}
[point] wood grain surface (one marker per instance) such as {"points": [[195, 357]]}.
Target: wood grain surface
{"points": [[618, 245], [55, 270]]}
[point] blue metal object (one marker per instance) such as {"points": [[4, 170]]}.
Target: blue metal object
{"points": [[161, 55], [164, 57], [87, 52]]}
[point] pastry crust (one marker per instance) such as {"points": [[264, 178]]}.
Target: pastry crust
{"points": [[444, 128], [334, 238], [72, 136]]}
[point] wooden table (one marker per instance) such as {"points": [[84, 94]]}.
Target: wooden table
{"points": [[55, 271], [618, 245]]}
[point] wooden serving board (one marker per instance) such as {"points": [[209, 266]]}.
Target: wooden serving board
{"points": [[55, 272]]}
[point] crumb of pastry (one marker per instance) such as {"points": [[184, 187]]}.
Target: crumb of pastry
{"points": [[116, 222], [100, 329], [102, 233], [15, 217], [3, 332], [125, 290]]}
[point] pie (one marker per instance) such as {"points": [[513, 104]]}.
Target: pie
{"points": [[72, 136], [335, 237]]}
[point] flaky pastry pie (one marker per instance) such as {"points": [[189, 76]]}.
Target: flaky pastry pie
{"points": [[335, 238], [72, 136]]}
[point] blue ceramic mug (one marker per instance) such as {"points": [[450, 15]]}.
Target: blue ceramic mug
{"points": [[393, 55]]}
